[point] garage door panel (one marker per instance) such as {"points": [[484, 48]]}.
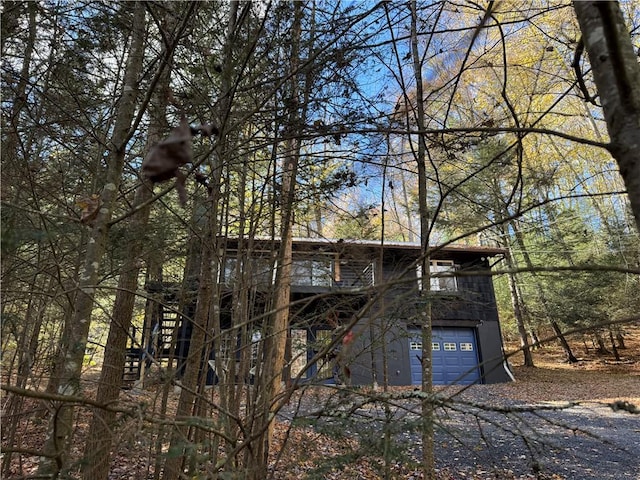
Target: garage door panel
{"points": [[451, 358], [455, 358]]}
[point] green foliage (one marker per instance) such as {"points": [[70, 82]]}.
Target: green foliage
{"points": [[600, 293], [359, 222]]}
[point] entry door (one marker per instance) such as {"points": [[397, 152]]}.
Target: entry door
{"points": [[455, 356]]}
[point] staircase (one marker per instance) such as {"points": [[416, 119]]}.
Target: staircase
{"points": [[132, 365], [159, 346], [168, 324]]}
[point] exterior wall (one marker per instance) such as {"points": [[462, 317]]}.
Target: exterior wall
{"points": [[397, 354], [490, 346], [345, 279], [472, 305], [395, 350]]}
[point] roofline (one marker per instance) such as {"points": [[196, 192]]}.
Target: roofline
{"points": [[410, 246]]}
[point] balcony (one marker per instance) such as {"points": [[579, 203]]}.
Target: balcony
{"points": [[308, 273]]}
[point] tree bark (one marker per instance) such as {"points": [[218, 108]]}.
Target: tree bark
{"points": [[616, 73], [98, 446], [206, 318], [61, 426], [277, 331], [428, 406], [517, 311], [174, 466], [614, 348], [28, 349]]}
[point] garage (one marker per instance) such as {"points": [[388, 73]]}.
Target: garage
{"points": [[455, 356]]}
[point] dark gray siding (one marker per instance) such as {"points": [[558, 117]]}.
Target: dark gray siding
{"points": [[491, 355], [472, 305], [395, 350]]}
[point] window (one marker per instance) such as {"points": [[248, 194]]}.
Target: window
{"points": [[228, 273], [466, 347], [228, 346], [261, 271], [312, 272], [256, 347], [254, 271], [435, 346], [442, 276], [322, 339], [450, 347], [299, 348]]}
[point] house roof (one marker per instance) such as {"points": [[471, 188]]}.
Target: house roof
{"points": [[409, 247]]}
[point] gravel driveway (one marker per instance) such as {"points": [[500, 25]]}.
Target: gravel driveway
{"points": [[509, 440], [578, 443]]}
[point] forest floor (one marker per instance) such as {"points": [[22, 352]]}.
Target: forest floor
{"points": [[595, 378], [488, 432]]}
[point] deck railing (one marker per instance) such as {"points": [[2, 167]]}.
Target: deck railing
{"points": [[307, 271]]}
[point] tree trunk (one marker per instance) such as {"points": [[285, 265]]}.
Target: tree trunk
{"points": [[98, 447], [152, 313], [276, 333], [517, 311], [175, 463], [541, 297], [534, 338], [616, 354], [616, 73], [61, 427], [602, 349], [206, 318], [28, 349], [190, 274], [11, 142], [428, 406]]}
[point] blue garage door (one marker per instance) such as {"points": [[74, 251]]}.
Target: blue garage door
{"points": [[455, 356]]}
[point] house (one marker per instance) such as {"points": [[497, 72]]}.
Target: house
{"points": [[368, 292]]}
